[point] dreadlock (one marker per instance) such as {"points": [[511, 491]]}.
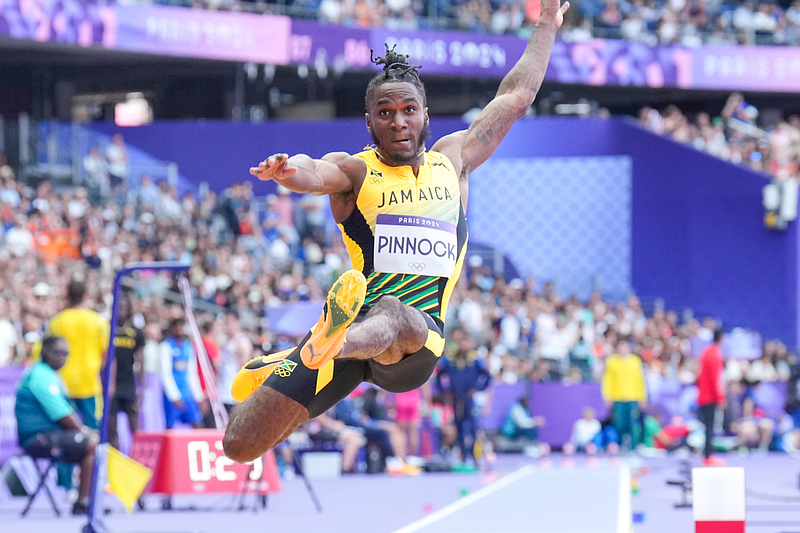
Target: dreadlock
{"points": [[395, 68]]}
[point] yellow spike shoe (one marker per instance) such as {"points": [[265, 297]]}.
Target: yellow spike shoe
{"points": [[253, 374], [344, 301]]}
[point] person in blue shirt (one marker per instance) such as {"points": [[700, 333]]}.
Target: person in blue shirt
{"points": [[179, 378], [462, 375], [47, 425]]}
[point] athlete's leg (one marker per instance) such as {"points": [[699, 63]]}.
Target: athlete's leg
{"points": [[390, 331], [263, 421], [290, 396]]}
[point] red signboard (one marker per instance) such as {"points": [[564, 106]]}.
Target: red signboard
{"points": [[192, 462]]}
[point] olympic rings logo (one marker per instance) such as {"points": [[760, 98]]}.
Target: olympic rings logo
{"points": [[286, 368], [375, 180], [416, 266]]}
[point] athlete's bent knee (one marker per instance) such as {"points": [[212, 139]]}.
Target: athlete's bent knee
{"points": [[262, 422]]}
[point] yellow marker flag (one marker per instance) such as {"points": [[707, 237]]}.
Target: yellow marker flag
{"points": [[126, 477]]}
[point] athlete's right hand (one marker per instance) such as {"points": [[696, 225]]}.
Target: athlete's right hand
{"points": [[275, 167]]}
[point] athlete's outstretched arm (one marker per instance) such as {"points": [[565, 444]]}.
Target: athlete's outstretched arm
{"points": [[517, 90], [332, 174]]}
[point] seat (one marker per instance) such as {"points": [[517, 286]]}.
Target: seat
{"points": [[31, 475]]}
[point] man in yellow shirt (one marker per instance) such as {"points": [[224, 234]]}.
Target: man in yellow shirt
{"points": [[86, 332], [624, 391]]}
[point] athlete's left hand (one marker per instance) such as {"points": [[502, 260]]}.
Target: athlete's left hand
{"points": [[275, 167], [553, 12]]}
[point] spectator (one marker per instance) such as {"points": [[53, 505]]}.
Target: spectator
{"points": [[586, 434], [519, 424], [442, 418], [462, 375], [408, 408], [97, 178], [393, 450], [179, 377], [234, 354], [210, 331], [378, 415], [624, 392], [711, 395], [8, 337], [673, 435], [148, 195], [746, 420], [19, 239], [324, 429], [47, 425], [117, 160]]}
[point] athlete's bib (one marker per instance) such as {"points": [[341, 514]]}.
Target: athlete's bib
{"points": [[415, 245]]}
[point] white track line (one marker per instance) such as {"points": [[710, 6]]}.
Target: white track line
{"points": [[467, 500]]}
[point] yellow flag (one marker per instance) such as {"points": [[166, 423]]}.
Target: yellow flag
{"points": [[126, 477]]}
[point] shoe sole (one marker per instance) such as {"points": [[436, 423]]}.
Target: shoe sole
{"points": [[257, 370], [341, 308]]}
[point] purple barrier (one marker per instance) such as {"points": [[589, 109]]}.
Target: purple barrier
{"points": [[150, 29], [562, 405], [177, 31], [503, 396], [346, 48], [8, 421], [757, 68]]}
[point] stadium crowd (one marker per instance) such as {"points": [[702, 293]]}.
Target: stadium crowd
{"points": [[736, 136], [690, 23], [247, 257]]}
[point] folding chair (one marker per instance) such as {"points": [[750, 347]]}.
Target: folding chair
{"points": [[42, 482]]}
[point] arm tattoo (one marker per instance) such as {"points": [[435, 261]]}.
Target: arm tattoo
{"points": [[497, 123], [528, 74]]}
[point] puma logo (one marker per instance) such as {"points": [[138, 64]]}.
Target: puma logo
{"points": [[311, 350]]}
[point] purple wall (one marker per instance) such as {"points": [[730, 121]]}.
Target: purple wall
{"points": [[221, 152], [8, 421], [561, 405], [697, 237]]}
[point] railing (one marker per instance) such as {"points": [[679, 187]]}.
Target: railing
{"points": [[55, 151]]}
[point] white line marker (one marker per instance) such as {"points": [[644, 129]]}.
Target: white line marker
{"points": [[467, 500]]}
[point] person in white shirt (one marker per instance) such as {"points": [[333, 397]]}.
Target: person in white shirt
{"points": [[117, 158], [8, 336], [585, 434], [19, 239], [96, 173]]}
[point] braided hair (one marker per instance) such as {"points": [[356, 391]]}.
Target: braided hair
{"points": [[395, 69]]}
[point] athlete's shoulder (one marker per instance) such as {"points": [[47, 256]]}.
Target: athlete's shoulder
{"points": [[450, 146], [439, 159]]}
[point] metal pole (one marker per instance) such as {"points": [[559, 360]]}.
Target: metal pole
{"points": [[94, 525]]}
